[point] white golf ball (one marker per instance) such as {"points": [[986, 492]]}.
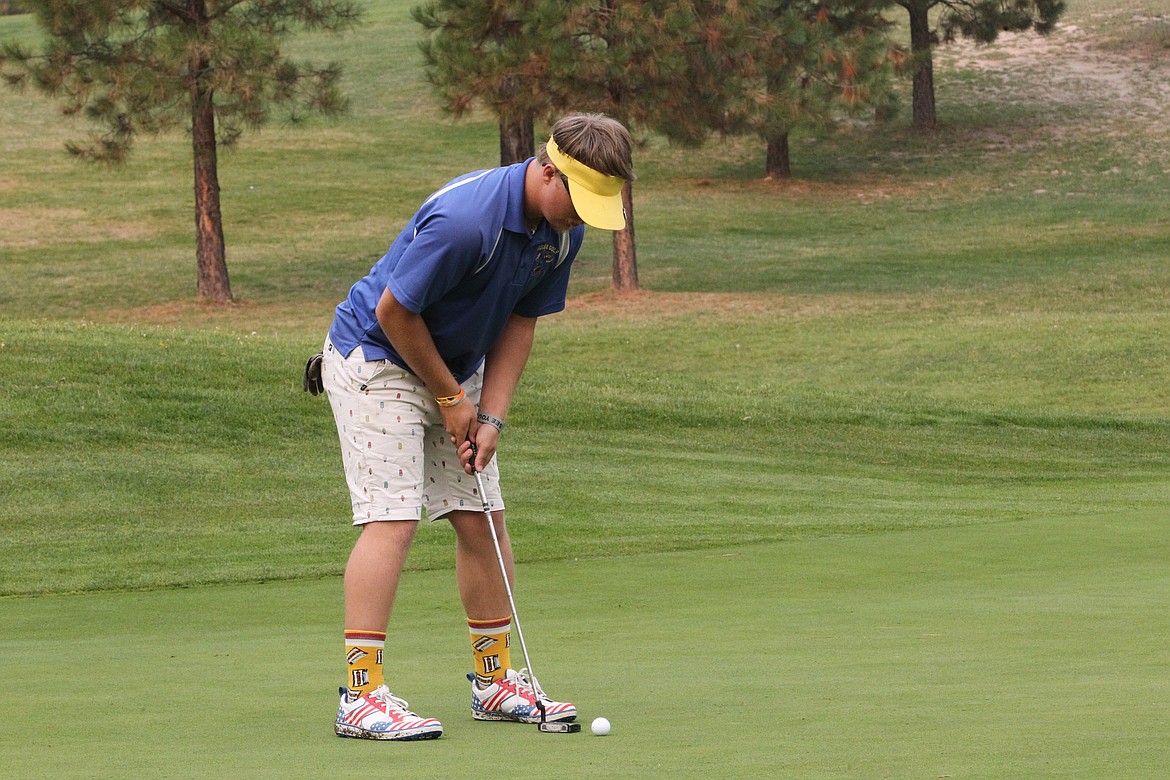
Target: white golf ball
{"points": [[600, 726]]}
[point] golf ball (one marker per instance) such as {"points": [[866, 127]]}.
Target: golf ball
{"points": [[600, 726]]}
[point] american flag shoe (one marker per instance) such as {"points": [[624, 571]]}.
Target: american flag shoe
{"points": [[381, 715], [511, 698]]}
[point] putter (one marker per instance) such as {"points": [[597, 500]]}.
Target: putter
{"points": [[544, 726]]}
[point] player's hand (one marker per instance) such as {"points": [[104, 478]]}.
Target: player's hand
{"points": [[459, 421], [487, 438]]}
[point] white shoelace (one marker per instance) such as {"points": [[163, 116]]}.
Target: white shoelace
{"points": [[531, 684], [382, 694]]}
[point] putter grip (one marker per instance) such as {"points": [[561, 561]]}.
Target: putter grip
{"points": [[474, 453]]}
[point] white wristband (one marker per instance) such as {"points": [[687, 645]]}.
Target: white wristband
{"points": [[495, 422]]}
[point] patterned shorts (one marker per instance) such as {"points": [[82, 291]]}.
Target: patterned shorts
{"points": [[398, 459]]}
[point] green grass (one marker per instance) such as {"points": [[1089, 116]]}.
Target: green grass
{"points": [[192, 457], [887, 445], [1017, 650]]}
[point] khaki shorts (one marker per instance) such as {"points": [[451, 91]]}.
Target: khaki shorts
{"points": [[398, 459]]}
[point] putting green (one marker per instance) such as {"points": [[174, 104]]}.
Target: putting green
{"points": [[1029, 649]]}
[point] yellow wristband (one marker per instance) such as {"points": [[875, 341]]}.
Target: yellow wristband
{"points": [[451, 400]]}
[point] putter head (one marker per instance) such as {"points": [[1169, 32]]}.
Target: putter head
{"points": [[560, 728]]}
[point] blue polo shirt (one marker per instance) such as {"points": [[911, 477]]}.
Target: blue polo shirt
{"points": [[466, 263]]}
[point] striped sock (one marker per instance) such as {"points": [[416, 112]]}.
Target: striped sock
{"points": [[491, 642], [363, 657]]}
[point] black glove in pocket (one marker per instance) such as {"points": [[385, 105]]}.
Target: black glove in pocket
{"points": [[312, 382]]}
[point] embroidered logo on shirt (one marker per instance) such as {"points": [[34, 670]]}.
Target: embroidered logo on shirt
{"points": [[546, 255]]}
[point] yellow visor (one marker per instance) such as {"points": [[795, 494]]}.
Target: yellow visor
{"points": [[596, 196]]}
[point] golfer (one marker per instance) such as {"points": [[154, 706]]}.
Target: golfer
{"points": [[422, 359]]}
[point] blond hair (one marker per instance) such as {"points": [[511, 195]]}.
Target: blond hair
{"points": [[596, 140]]}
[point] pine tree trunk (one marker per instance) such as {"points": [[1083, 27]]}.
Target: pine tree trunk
{"points": [[778, 165], [921, 45], [210, 256], [625, 257], [517, 139]]}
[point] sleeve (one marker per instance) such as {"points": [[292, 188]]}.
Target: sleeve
{"points": [[442, 252]]}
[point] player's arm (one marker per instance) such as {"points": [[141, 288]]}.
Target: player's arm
{"points": [[412, 340], [501, 375]]}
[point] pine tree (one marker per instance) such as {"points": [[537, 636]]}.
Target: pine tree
{"points": [[660, 65], [811, 61], [146, 66], [981, 20], [492, 53]]}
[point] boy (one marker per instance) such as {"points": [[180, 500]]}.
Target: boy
{"points": [[421, 362]]}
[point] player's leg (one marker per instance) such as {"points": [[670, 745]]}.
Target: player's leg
{"points": [[371, 584], [381, 449], [477, 569], [485, 602], [499, 691]]}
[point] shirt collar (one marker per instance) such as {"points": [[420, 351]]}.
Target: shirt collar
{"points": [[514, 214]]}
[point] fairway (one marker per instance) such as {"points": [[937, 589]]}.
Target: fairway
{"points": [[1017, 650]]}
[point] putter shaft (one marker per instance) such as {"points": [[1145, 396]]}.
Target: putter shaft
{"points": [[487, 513]]}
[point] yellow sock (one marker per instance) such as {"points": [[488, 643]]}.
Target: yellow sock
{"points": [[363, 656], [491, 642]]}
